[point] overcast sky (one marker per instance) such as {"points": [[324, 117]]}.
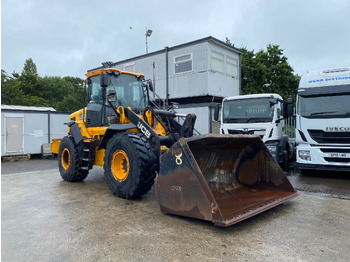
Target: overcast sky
{"points": [[68, 37]]}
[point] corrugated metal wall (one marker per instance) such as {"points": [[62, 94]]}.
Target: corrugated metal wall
{"points": [[36, 128]]}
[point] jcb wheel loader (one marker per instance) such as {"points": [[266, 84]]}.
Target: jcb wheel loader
{"points": [[120, 131], [221, 178]]}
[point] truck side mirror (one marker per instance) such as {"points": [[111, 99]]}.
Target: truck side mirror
{"points": [[273, 101], [288, 108], [216, 112], [103, 80]]}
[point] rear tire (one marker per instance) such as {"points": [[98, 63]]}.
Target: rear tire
{"points": [[130, 165], [69, 161]]}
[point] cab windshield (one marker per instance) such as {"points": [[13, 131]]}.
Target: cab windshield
{"points": [[248, 110], [129, 89], [327, 106]]}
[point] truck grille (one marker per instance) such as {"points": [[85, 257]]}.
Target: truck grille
{"points": [[337, 151], [248, 132], [337, 160], [240, 132], [330, 137]]}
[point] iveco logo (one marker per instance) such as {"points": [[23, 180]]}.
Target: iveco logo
{"points": [[337, 129]]}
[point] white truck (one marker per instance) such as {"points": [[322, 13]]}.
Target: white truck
{"points": [[263, 115], [323, 120]]}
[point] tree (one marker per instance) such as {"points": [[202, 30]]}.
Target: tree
{"points": [[267, 72], [29, 67], [29, 89], [29, 78], [11, 93], [64, 94]]}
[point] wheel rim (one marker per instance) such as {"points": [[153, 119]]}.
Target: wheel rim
{"points": [[65, 159], [120, 165]]}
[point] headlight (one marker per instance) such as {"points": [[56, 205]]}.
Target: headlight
{"points": [[271, 148], [304, 155]]}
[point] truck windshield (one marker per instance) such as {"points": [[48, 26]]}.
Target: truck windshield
{"points": [[129, 89], [329, 106], [248, 110]]}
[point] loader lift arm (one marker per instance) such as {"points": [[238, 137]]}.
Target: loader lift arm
{"points": [[185, 130]]}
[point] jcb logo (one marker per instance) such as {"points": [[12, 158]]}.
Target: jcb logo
{"points": [[143, 129]]}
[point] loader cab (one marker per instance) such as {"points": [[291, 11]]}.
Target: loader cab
{"points": [[130, 91]]}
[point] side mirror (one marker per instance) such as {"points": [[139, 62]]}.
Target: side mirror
{"points": [[273, 101], [287, 108], [112, 97], [103, 80], [290, 106], [148, 83], [216, 112]]}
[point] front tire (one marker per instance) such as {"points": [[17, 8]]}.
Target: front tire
{"points": [[69, 161], [130, 165]]}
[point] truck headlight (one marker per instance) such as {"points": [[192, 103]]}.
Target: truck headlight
{"points": [[271, 148], [304, 155]]}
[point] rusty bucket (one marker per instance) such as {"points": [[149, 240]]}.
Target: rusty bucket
{"points": [[221, 178]]}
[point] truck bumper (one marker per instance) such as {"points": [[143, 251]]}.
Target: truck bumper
{"points": [[323, 158], [323, 167]]}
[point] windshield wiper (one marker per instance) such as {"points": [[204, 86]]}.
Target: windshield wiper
{"points": [[234, 120], [323, 113], [231, 120], [249, 119], [258, 119]]}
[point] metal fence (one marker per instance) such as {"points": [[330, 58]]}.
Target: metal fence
{"points": [[289, 125]]}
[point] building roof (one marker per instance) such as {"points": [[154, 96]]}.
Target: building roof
{"points": [[26, 108], [202, 40]]}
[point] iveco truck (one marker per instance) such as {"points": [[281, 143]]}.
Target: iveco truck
{"points": [[263, 115], [323, 120]]}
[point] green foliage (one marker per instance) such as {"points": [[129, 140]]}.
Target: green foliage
{"points": [[267, 72], [29, 67], [11, 93], [29, 89]]}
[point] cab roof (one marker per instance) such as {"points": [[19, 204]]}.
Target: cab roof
{"points": [[264, 95], [104, 70], [325, 77]]}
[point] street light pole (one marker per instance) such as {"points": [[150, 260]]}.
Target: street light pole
{"points": [[148, 34]]}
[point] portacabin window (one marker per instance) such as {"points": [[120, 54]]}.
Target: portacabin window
{"points": [[224, 64], [232, 66], [183, 63], [217, 62]]}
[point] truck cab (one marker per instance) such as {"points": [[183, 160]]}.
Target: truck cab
{"points": [[323, 120], [259, 114]]}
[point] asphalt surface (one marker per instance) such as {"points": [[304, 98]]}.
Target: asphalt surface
{"points": [[323, 183], [44, 218]]}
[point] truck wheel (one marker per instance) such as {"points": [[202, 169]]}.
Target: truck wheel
{"points": [[69, 161], [130, 165]]}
